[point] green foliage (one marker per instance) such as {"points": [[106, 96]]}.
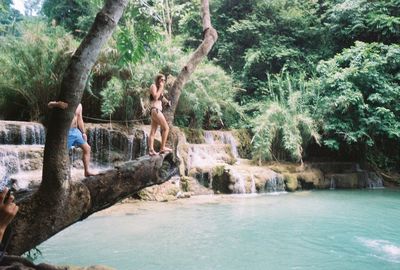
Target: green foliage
{"points": [[358, 96], [72, 14], [283, 124], [134, 39], [267, 37], [8, 18], [364, 20], [208, 100], [112, 96], [32, 68]]}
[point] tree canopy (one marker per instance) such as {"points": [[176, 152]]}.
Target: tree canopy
{"points": [[336, 59]]}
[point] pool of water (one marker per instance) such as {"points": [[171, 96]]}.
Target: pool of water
{"points": [[302, 230]]}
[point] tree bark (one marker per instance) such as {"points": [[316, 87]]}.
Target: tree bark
{"points": [[210, 37], [55, 205], [84, 198]]}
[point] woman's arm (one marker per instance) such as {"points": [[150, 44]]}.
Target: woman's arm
{"points": [[156, 94]]}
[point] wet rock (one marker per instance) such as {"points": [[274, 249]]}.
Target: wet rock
{"points": [[20, 263]]}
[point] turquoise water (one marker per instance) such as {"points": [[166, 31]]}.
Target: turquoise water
{"points": [[304, 230]]}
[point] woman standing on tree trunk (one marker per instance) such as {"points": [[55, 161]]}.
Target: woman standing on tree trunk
{"points": [[157, 117]]}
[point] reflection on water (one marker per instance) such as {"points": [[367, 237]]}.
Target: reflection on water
{"points": [[303, 230]]}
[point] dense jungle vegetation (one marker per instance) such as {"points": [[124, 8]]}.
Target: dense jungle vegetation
{"points": [[308, 79]]}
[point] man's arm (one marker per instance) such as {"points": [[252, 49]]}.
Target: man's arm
{"points": [[80, 123]]}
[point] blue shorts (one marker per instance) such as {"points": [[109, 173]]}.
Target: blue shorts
{"points": [[75, 138]]}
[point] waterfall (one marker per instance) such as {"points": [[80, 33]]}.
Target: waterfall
{"points": [[275, 184], [143, 144], [332, 184], [229, 139], [100, 140], [208, 137], [253, 185], [222, 137], [4, 136], [130, 147], [374, 181], [240, 183], [109, 145], [10, 161], [23, 135]]}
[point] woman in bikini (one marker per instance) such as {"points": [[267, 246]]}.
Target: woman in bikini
{"points": [[157, 117]]}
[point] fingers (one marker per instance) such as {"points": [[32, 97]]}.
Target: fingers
{"points": [[63, 105], [9, 200], [3, 195], [57, 104]]}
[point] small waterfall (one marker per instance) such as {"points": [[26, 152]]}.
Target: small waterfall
{"points": [[10, 161], [253, 185], [23, 135], [240, 183], [4, 136], [109, 145], [131, 148], [229, 139], [222, 137], [209, 137], [333, 184], [374, 181], [275, 184], [98, 140], [144, 144]]}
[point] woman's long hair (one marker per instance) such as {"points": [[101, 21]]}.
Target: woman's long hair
{"points": [[157, 79]]}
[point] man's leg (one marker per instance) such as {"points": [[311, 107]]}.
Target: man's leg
{"points": [[86, 159]]}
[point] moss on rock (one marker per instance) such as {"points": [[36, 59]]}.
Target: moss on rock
{"points": [[194, 135], [290, 181], [243, 138]]}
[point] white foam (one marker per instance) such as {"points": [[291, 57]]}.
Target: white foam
{"points": [[387, 249]]}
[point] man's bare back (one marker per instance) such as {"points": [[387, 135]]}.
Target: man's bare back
{"points": [[75, 137]]}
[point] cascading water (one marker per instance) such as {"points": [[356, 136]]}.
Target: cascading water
{"points": [[228, 138], [208, 137], [253, 185], [374, 181], [143, 144], [130, 147], [21, 147], [12, 132], [240, 183], [275, 184], [332, 184]]}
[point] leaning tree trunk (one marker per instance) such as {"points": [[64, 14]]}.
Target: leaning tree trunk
{"points": [[56, 204], [39, 220], [210, 37]]}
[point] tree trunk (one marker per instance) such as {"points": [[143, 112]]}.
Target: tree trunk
{"points": [[39, 218], [210, 37], [51, 208]]}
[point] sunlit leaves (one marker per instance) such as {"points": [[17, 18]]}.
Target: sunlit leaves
{"points": [[359, 95]]}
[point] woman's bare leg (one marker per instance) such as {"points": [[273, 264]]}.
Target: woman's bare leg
{"points": [[165, 131], [154, 125]]}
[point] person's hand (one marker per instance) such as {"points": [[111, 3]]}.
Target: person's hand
{"points": [[8, 210], [57, 104], [84, 137]]}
